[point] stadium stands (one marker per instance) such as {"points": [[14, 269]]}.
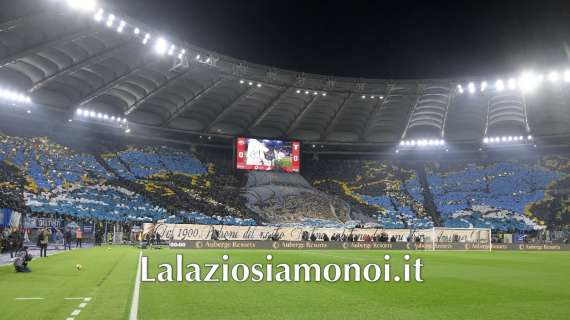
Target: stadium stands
{"points": [[149, 183]]}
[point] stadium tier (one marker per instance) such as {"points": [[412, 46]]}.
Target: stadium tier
{"points": [[174, 184]]}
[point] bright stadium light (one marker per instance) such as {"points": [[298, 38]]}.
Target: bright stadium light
{"points": [[171, 50], [161, 46], [250, 83], [459, 88], [121, 26], [471, 87], [137, 31], [485, 140], [500, 85], [363, 97], [324, 94], [83, 5], [483, 86], [528, 81], [307, 92], [110, 20], [146, 38], [259, 85], [529, 137], [99, 15], [298, 91]]}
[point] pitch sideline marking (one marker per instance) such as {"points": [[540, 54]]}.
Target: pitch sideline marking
{"points": [[29, 298], [135, 302], [82, 305]]}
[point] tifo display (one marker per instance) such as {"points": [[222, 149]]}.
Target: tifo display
{"points": [[268, 155]]}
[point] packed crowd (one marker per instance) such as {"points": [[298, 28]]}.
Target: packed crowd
{"points": [[163, 183]]}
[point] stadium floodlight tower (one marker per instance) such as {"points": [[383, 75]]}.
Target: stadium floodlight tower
{"points": [[507, 122], [426, 123]]}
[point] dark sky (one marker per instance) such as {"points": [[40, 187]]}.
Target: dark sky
{"points": [[385, 39]]}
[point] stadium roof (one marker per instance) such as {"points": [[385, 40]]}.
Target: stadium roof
{"points": [[66, 58]]}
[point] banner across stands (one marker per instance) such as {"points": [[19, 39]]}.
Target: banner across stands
{"points": [[184, 232]]}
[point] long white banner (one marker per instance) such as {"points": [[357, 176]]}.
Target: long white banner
{"points": [[182, 232]]}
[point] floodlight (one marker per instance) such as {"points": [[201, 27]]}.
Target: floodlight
{"points": [[459, 88], [483, 86], [160, 46], [241, 81], [121, 26], [127, 130], [146, 38], [137, 31], [99, 15], [79, 111], [363, 97], [307, 92], [324, 94], [259, 85], [500, 85], [485, 140], [471, 87], [529, 137], [83, 5], [110, 20], [528, 81], [298, 91], [171, 50], [250, 83]]}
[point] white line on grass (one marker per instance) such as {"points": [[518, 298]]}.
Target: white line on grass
{"points": [[135, 303], [82, 305], [29, 298]]}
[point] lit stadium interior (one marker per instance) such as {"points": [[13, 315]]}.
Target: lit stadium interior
{"points": [[130, 141]]}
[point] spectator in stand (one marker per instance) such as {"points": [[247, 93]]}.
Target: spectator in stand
{"points": [[78, 238]]}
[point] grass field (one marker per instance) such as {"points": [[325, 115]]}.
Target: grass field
{"points": [[458, 285]]}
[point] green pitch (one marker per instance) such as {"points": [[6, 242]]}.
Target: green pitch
{"points": [[458, 285]]}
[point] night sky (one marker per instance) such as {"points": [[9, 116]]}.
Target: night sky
{"points": [[382, 39]]}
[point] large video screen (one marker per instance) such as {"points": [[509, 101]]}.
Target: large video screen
{"points": [[268, 155]]}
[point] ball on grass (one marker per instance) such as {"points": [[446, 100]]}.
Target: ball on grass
{"points": [[78, 267]]}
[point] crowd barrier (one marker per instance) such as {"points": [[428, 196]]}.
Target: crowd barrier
{"points": [[323, 245]]}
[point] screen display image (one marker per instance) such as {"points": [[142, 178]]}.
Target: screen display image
{"points": [[268, 155]]}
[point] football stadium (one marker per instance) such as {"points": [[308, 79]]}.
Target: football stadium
{"points": [[143, 176]]}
